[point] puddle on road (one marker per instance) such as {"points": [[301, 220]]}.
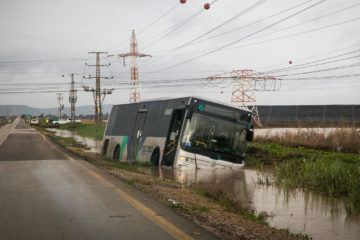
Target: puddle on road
{"points": [[94, 145], [300, 212]]}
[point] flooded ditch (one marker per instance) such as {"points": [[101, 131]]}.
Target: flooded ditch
{"points": [[92, 144], [301, 212]]}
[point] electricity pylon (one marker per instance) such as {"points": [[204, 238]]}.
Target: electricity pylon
{"points": [[60, 106], [245, 84], [72, 98], [97, 92], [134, 70]]}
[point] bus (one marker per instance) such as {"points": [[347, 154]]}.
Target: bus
{"points": [[184, 132]]}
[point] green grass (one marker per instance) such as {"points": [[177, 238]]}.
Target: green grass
{"points": [[95, 131], [332, 173]]}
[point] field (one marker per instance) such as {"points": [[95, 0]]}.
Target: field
{"points": [[328, 139]]}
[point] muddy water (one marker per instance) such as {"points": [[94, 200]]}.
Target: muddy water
{"points": [[92, 144], [300, 212]]}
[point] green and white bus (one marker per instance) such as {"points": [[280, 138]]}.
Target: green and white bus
{"points": [[182, 132]]}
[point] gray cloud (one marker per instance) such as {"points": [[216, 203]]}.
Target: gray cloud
{"points": [[49, 29]]}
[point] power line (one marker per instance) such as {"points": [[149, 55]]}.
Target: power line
{"points": [[158, 19], [150, 83], [260, 20], [245, 37], [210, 31], [309, 57], [346, 76], [292, 26], [308, 21], [296, 34], [149, 26], [172, 29], [308, 65], [322, 70], [190, 81], [56, 60], [190, 84]]}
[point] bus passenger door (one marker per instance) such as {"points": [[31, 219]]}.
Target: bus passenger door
{"points": [[172, 138], [136, 136]]}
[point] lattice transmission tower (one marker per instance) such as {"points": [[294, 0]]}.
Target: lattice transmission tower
{"points": [[72, 98], [134, 70], [246, 82], [60, 105]]}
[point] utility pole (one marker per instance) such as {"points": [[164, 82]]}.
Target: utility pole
{"points": [[97, 92], [60, 106], [134, 70], [245, 84], [72, 98]]}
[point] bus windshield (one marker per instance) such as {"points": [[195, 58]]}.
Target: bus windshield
{"points": [[214, 137]]}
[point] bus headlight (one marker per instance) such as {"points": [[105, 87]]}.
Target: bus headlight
{"points": [[182, 159]]}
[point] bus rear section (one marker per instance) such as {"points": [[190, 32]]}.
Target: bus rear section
{"points": [[186, 132]]}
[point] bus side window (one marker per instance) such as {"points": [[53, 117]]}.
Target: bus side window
{"points": [[173, 135]]}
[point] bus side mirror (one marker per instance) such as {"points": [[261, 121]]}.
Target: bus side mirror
{"points": [[249, 134]]}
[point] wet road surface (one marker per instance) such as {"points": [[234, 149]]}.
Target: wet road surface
{"points": [[47, 193]]}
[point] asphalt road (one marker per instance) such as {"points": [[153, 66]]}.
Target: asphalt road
{"points": [[47, 193]]}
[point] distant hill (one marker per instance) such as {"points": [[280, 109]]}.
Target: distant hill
{"points": [[23, 109]]}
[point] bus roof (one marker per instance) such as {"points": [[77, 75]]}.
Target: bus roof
{"points": [[189, 99]]}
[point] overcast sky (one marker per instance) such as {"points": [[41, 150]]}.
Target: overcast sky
{"points": [[41, 40]]}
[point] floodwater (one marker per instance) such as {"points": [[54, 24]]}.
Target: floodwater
{"points": [[92, 144], [300, 212]]}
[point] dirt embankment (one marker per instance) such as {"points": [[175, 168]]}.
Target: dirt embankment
{"points": [[214, 215]]}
